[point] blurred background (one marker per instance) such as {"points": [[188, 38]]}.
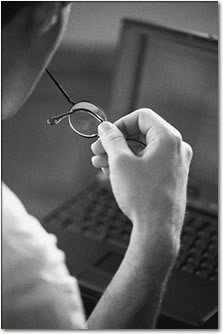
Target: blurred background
{"points": [[46, 165]]}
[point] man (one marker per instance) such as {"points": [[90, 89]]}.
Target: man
{"points": [[37, 290]]}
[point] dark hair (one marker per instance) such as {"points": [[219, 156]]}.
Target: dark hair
{"points": [[10, 9]]}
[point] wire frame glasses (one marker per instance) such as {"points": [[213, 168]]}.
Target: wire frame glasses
{"points": [[84, 118]]}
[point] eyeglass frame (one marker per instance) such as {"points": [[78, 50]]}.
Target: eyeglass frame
{"points": [[69, 113], [68, 98]]}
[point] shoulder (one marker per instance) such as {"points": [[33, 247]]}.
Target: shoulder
{"points": [[22, 233], [34, 270], [26, 241]]}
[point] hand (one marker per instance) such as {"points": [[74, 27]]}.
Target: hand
{"points": [[150, 188]]}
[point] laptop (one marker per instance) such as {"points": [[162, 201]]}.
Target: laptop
{"points": [[174, 73]]}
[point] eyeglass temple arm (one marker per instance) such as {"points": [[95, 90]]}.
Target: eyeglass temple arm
{"points": [[60, 87], [56, 119]]}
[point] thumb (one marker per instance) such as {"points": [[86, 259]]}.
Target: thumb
{"points": [[112, 139]]}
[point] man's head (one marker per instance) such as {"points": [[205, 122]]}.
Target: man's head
{"points": [[31, 33], [9, 11]]}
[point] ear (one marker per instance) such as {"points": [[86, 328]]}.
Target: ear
{"points": [[44, 15]]}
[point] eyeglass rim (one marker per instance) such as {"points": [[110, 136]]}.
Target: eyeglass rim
{"points": [[87, 101], [81, 133], [90, 112]]}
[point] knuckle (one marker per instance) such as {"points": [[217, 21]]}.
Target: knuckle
{"points": [[145, 111], [145, 114], [188, 151], [177, 138], [173, 139]]}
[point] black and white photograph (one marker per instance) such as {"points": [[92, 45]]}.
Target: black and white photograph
{"points": [[110, 165]]}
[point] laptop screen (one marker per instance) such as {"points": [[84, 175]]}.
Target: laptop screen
{"points": [[178, 78]]}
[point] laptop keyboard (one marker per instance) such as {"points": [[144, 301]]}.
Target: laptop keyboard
{"points": [[94, 213]]}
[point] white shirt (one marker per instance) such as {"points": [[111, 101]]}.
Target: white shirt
{"points": [[37, 290]]}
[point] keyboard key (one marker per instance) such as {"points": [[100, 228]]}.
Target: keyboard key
{"points": [[201, 273]]}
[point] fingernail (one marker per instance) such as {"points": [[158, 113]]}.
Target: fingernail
{"points": [[104, 127]]}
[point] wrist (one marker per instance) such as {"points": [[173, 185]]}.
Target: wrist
{"points": [[157, 246]]}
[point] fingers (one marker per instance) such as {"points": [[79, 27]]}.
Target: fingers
{"points": [[106, 171], [187, 153], [143, 121], [112, 139], [132, 125], [100, 161], [97, 147], [139, 121], [112, 143]]}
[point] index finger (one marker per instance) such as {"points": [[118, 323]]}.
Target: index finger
{"points": [[143, 121]]}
